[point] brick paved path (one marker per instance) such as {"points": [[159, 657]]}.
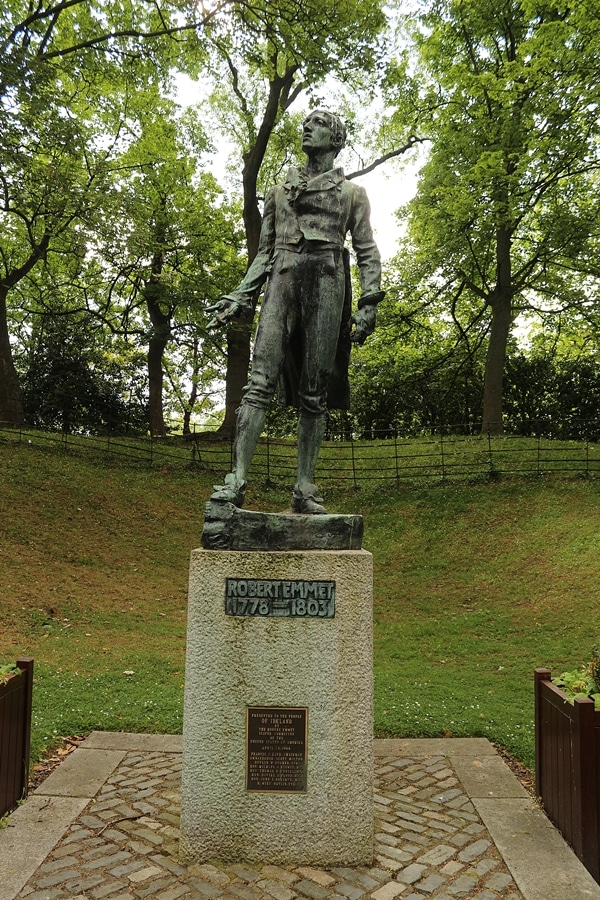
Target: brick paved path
{"points": [[429, 842]]}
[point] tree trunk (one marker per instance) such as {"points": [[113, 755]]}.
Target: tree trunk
{"points": [[156, 301], [494, 367], [11, 400], [501, 303], [161, 330], [156, 421], [238, 364], [193, 396], [239, 334]]}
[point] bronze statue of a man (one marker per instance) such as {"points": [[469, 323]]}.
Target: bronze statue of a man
{"points": [[306, 324]]}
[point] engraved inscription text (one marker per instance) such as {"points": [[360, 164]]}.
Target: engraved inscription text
{"points": [[279, 597], [276, 749]]}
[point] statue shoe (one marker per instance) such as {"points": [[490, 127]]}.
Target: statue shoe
{"points": [[306, 500], [233, 491]]}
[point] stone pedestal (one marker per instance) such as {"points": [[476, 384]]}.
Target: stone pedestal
{"points": [[311, 662]]}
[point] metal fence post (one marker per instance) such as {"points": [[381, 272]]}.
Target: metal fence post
{"points": [[587, 452], [353, 462], [268, 458]]}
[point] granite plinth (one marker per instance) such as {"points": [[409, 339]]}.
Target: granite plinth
{"points": [[322, 665]]}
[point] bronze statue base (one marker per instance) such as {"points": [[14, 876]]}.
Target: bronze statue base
{"points": [[228, 528]]}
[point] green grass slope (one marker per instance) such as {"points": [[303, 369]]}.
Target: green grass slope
{"points": [[475, 585]]}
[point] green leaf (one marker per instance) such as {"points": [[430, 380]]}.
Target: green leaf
{"points": [[7, 671]]}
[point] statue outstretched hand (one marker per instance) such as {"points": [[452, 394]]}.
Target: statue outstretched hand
{"points": [[363, 323], [364, 319], [224, 310]]}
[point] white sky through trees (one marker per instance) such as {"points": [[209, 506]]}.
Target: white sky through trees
{"points": [[388, 187]]}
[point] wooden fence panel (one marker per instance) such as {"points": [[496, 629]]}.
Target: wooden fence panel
{"points": [[15, 731], [567, 777]]}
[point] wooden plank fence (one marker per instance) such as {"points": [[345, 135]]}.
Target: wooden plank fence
{"points": [[567, 767], [15, 732]]}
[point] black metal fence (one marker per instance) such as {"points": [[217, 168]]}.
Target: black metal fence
{"points": [[443, 454]]}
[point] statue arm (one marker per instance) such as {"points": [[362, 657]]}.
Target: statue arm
{"points": [[241, 300], [262, 263], [369, 267], [365, 248]]}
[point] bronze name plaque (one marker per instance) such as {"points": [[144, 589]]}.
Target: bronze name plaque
{"points": [[276, 749], [262, 597]]}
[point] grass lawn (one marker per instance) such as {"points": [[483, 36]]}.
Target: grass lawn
{"points": [[475, 585]]}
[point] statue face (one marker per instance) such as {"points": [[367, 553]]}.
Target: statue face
{"points": [[316, 133]]}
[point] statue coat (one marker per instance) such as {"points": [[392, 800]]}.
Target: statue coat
{"points": [[311, 217]]}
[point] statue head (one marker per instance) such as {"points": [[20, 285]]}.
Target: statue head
{"points": [[333, 122]]}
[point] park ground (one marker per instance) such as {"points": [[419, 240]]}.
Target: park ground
{"points": [[475, 586]]}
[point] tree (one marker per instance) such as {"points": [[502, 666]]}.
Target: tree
{"points": [[35, 39], [414, 374], [268, 55], [79, 378], [170, 239], [505, 215], [68, 71], [46, 181]]}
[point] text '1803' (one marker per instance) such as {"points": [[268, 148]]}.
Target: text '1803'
{"points": [[265, 597]]}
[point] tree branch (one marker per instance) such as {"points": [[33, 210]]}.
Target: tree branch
{"points": [[235, 84], [55, 11], [38, 16], [479, 292], [37, 253], [391, 155]]}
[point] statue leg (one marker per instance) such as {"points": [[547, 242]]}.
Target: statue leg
{"points": [[269, 348], [305, 498], [322, 302], [249, 426]]}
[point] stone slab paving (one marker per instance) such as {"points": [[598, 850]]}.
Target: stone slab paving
{"points": [[430, 839]]}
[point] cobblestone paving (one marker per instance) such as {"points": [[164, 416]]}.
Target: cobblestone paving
{"points": [[429, 842]]}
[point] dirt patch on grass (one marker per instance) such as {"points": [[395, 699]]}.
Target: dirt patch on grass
{"points": [[525, 775]]}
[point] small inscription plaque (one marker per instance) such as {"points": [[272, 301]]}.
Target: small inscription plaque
{"points": [[279, 597], [276, 743]]}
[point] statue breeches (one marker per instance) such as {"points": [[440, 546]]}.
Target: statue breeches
{"points": [[301, 313]]}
